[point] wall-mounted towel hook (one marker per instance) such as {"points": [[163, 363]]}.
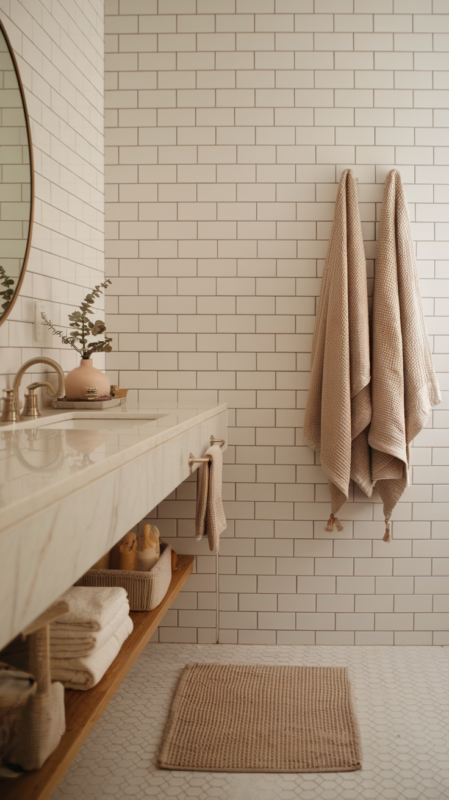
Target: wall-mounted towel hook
{"points": [[213, 440]]}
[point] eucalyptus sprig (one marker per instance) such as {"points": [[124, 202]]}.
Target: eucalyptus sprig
{"points": [[82, 327], [7, 293]]}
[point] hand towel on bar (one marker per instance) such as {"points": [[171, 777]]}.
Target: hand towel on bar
{"points": [[338, 410], [84, 673], [76, 643], [210, 516], [91, 608], [404, 385]]}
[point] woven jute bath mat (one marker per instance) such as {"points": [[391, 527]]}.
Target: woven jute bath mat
{"points": [[239, 718]]}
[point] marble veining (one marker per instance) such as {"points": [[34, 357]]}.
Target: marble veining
{"points": [[63, 511], [39, 465]]}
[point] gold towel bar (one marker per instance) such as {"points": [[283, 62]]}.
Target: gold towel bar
{"points": [[213, 440], [193, 460]]}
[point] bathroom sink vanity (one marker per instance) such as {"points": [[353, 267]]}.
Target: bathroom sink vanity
{"points": [[72, 483]]}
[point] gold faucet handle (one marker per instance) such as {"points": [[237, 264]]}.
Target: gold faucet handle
{"points": [[31, 408], [10, 411], [33, 386]]}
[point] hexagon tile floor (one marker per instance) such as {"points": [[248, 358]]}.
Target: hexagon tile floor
{"points": [[402, 700]]}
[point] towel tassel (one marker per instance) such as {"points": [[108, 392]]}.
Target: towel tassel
{"points": [[387, 534], [330, 523]]}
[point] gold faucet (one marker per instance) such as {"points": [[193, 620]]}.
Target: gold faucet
{"points": [[10, 411], [31, 407], [11, 401]]}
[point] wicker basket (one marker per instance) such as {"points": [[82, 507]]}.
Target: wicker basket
{"points": [[145, 589]]}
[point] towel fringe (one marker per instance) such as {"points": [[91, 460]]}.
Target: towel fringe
{"points": [[387, 534], [333, 520]]}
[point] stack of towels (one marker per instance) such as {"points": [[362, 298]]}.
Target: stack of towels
{"points": [[85, 641]]}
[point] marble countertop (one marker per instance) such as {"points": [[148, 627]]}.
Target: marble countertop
{"points": [[39, 465]]}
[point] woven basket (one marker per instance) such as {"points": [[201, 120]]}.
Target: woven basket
{"points": [[145, 589]]}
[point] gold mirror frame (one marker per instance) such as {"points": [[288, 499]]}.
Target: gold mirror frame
{"points": [[4, 316]]}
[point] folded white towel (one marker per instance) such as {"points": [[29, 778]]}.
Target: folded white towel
{"points": [[84, 673], [91, 608], [68, 642]]}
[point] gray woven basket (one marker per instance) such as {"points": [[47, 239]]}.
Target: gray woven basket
{"points": [[145, 589]]}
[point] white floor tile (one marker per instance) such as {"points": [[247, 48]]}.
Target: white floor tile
{"points": [[402, 700]]}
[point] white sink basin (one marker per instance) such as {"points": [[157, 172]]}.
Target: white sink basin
{"points": [[99, 424], [86, 421]]}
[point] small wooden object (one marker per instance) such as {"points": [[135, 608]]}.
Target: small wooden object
{"points": [[128, 551], [117, 392]]}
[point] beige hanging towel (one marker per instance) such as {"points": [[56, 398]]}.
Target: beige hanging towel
{"points": [[210, 516], [404, 386], [338, 410]]}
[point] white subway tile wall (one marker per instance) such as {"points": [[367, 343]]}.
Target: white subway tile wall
{"points": [[228, 126], [60, 52]]}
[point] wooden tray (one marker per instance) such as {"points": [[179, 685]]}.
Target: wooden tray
{"points": [[85, 405]]}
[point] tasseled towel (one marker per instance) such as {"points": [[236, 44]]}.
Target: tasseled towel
{"points": [[338, 410], [404, 386]]}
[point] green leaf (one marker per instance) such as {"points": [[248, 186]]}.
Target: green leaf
{"points": [[99, 327]]}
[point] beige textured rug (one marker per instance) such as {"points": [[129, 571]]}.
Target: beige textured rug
{"points": [[238, 718]]}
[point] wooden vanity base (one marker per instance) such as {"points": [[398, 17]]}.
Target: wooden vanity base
{"points": [[83, 709]]}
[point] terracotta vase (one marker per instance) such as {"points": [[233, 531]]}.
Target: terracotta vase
{"points": [[85, 377]]}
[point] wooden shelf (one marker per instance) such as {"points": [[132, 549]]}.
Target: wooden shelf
{"points": [[83, 709]]}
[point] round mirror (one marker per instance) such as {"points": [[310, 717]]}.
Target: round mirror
{"points": [[16, 179]]}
